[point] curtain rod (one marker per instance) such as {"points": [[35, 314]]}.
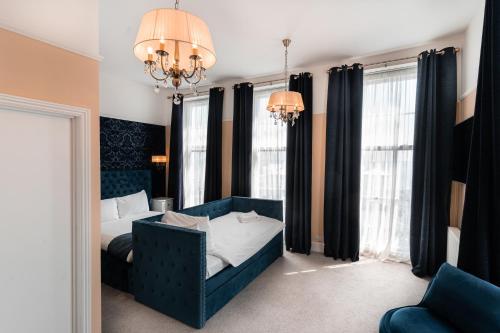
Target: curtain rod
{"points": [[394, 60], [264, 83], [197, 94]]}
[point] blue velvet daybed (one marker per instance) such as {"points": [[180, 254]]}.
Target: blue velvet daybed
{"points": [[168, 272]]}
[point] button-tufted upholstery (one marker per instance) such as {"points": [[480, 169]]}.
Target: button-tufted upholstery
{"points": [[170, 263], [124, 182]]}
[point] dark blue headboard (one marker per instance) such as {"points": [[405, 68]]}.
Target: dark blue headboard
{"points": [[124, 182]]}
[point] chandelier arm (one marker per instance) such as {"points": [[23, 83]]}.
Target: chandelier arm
{"points": [[192, 82], [195, 69], [157, 78], [187, 76]]}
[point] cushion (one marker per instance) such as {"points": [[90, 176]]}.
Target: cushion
{"points": [[132, 204], [109, 210], [469, 303], [417, 320], [248, 217], [200, 223]]}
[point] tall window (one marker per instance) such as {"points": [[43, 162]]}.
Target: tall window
{"points": [[195, 122], [268, 151], [386, 163]]}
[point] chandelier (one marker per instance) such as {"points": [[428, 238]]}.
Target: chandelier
{"points": [[285, 105], [174, 45]]}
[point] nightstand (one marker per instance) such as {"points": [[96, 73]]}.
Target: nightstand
{"points": [[162, 204]]}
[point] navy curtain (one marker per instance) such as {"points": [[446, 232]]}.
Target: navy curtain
{"points": [[242, 140], [480, 237], [213, 168], [175, 173], [432, 155], [298, 170], [343, 162]]}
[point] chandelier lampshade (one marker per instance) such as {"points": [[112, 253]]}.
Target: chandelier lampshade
{"points": [[174, 45], [288, 101], [162, 29]]}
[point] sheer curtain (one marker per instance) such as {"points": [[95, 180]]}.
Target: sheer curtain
{"points": [[268, 151], [195, 122], [386, 163]]}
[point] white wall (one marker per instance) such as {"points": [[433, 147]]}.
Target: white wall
{"points": [[320, 76], [69, 24], [129, 100], [472, 52]]}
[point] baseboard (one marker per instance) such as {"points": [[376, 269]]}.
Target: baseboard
{"points": [[317, 247]]}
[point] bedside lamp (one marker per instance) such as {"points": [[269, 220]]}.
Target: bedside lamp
{"points": [[159, 160]]}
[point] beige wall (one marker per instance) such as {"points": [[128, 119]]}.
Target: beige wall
{"points": [[33, 69], [465, 110]]}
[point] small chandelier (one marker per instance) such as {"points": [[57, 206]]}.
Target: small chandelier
{"points": [[175, 45], [285, 105]]}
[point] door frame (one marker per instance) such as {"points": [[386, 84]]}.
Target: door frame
{"points": [[81, 197]]}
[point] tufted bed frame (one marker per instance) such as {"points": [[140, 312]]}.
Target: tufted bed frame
{"points": [[169, 268]]}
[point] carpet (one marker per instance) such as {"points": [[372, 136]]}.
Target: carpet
{"points": [[297, 293]]}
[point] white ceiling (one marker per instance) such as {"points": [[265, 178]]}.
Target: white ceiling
{"points": [[247, 34]]}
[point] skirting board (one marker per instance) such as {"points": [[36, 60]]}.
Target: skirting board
{"points": [[317, 247]]}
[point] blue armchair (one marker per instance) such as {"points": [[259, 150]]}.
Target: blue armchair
{"points": [[455, 301]]}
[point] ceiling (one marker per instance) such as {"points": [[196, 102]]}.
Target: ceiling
{"points": [[247, 34]]}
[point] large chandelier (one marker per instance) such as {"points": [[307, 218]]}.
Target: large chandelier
{"points": [[285, 105], [175, 45]]}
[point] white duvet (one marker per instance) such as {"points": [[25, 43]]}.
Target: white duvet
{"points": [[235, 242], [115, 228]]}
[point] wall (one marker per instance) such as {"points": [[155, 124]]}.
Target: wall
{"points": [[136, 100], [129, 145], [37, 70], [69, 24], [320, 86], [465, 108]]}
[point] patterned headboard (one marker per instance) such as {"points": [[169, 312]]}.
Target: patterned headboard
{"points": [[124, 182]]}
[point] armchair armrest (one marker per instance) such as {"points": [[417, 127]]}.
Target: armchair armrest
{"points": [[169, 270]]}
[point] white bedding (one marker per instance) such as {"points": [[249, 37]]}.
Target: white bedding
{"points": [[236, 242], [115, 228]]}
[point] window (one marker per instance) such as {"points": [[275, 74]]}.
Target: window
{"points": [[194, 122], [268, 150], [386, 162]]}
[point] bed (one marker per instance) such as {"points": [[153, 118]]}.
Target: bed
{"points": [[170, 271]]}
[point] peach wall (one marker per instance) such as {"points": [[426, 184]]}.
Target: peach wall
{"points": [[227, 153], [465, 110], [318, 176], [33, 69]]}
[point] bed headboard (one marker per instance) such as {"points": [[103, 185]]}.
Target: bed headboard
{"points": [[118, 183]]}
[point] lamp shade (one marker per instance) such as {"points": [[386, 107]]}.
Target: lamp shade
{"points": [[162, 29], [159, 159], [288, 101]]}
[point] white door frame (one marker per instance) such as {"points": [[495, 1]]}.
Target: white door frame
{"points": [[80, 224]]}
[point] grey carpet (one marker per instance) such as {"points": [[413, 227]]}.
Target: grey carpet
{"points": [[295, 294]]}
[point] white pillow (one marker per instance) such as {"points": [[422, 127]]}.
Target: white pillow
{"points": [[200, 223], [133, 204], [248, 217], [109, 210]]}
